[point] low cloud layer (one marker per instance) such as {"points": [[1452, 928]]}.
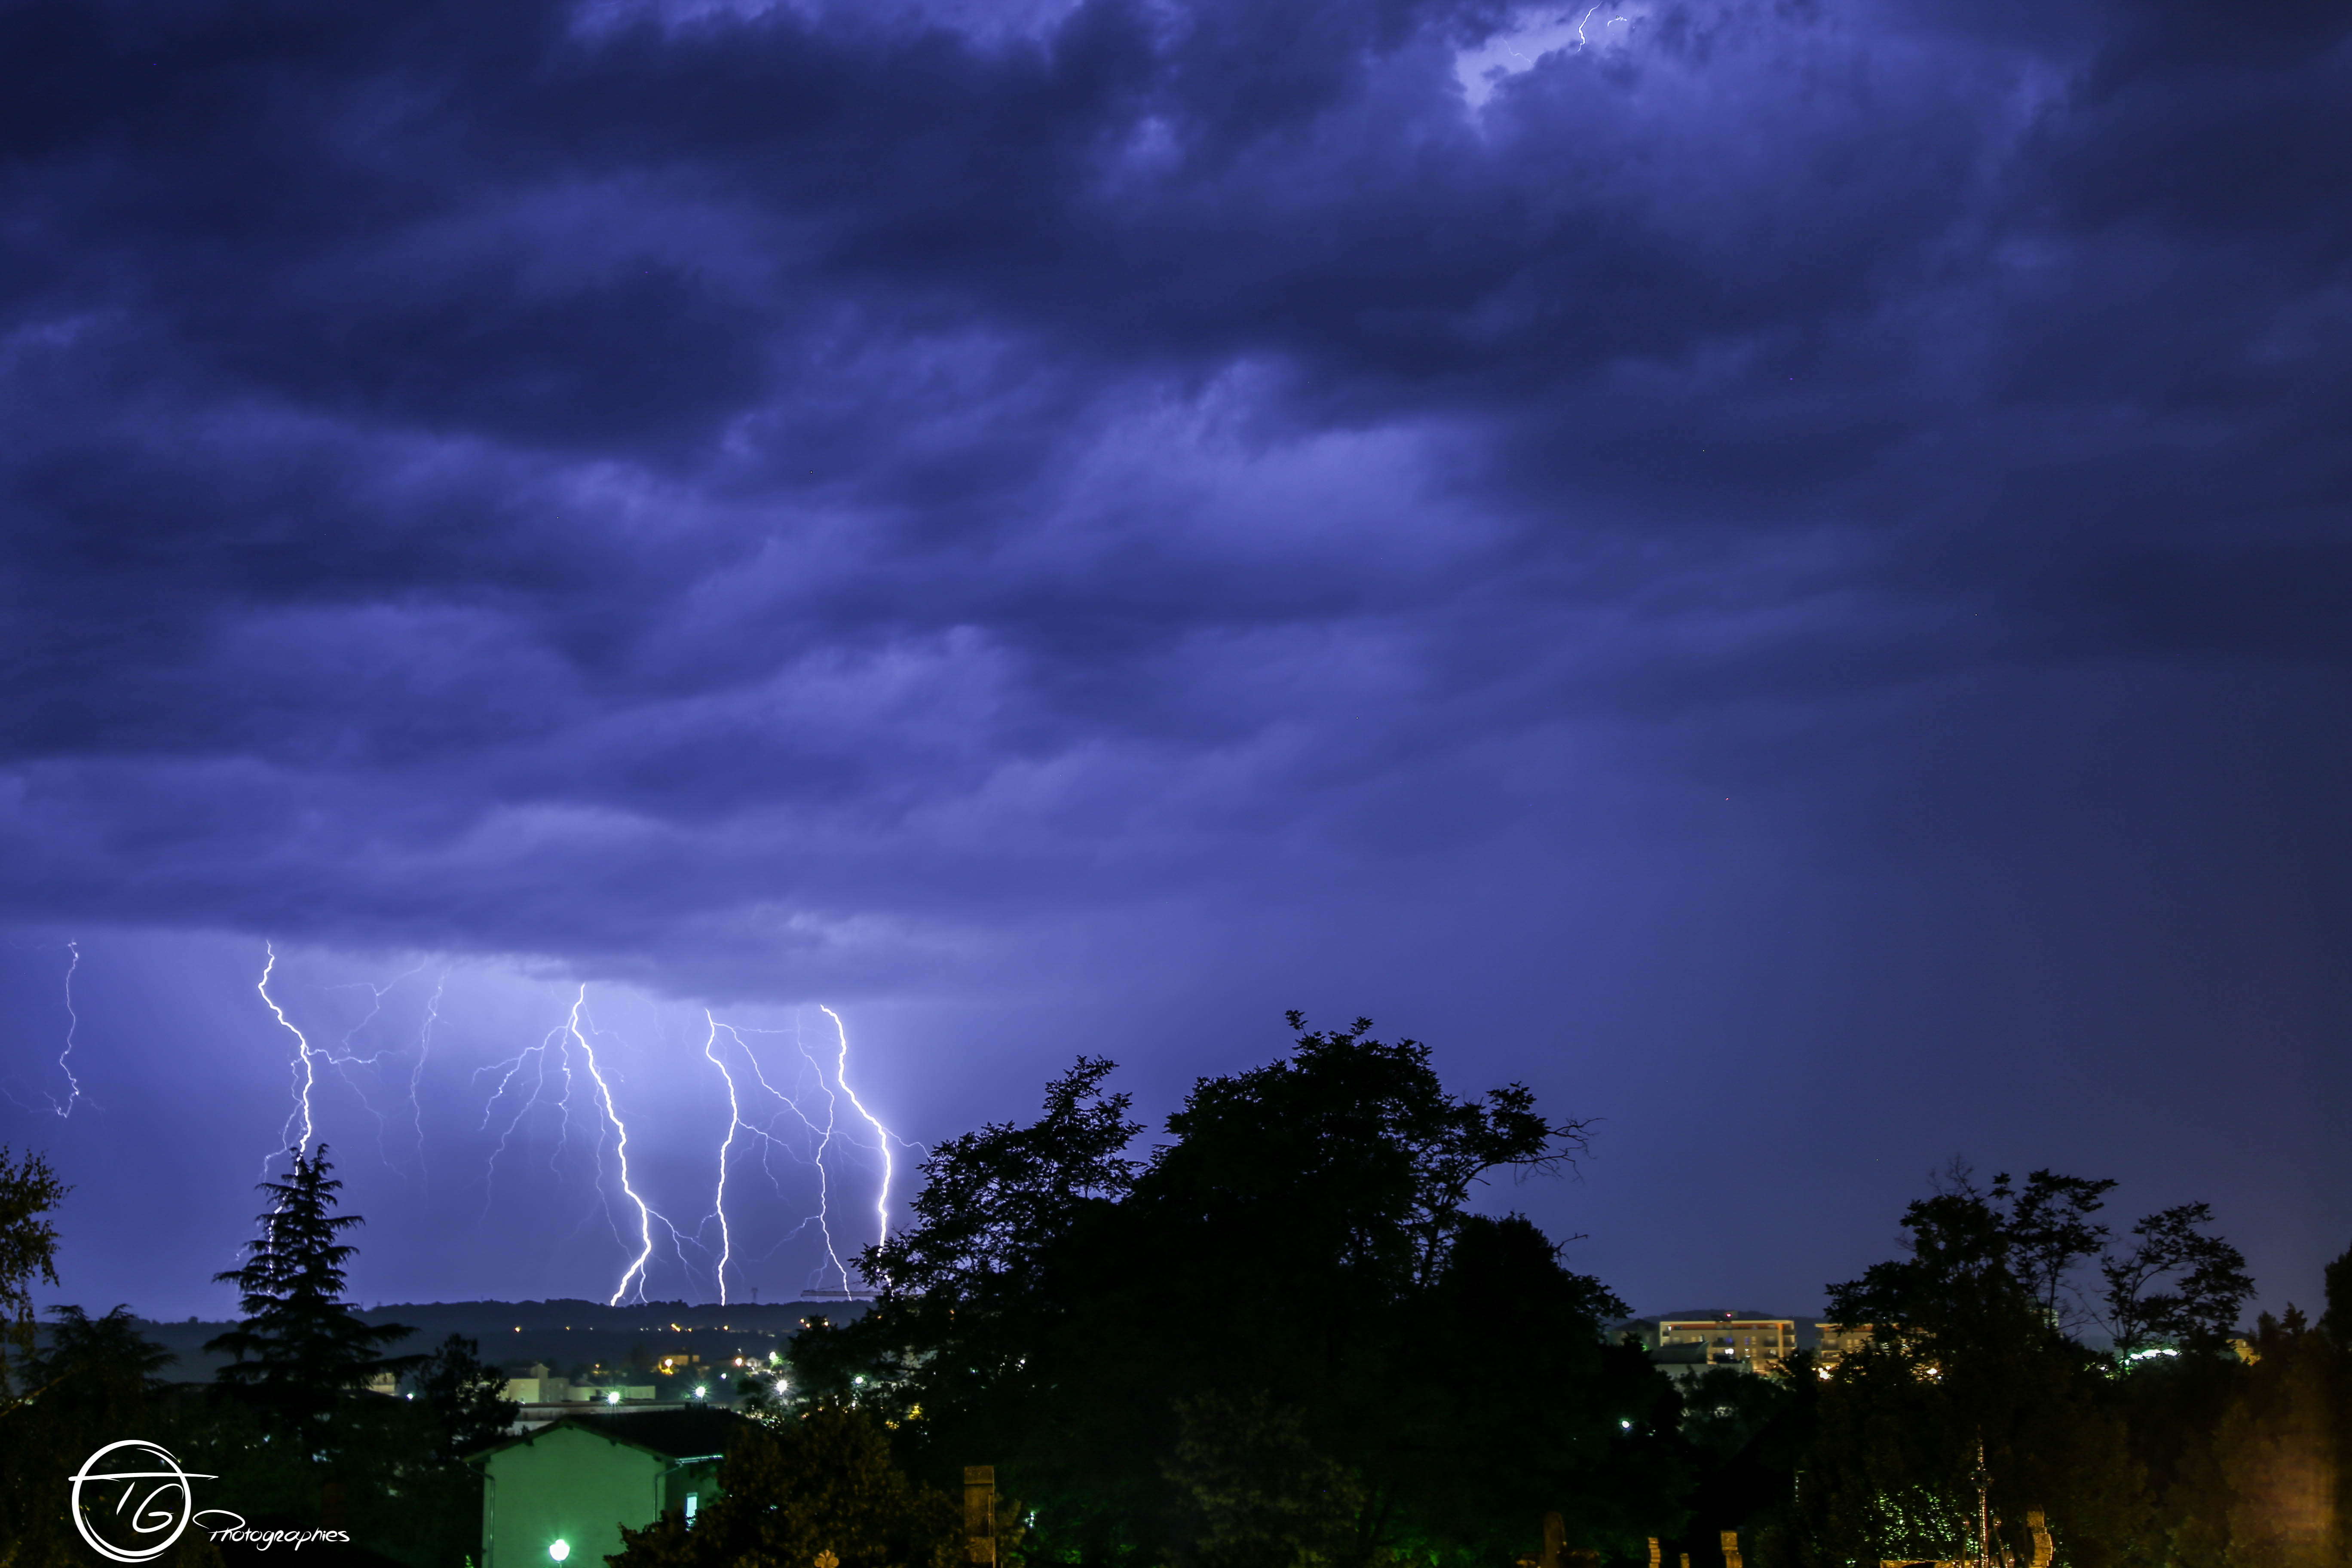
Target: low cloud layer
{"points": [[967, 503]]}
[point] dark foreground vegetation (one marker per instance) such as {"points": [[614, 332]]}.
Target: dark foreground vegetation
{"points": [[290, 1437], [1282, 1338]]}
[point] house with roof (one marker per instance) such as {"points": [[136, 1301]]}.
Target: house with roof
{"points": [[562, 1492]]}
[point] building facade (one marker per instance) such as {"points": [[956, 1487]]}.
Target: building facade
{"points": [[562, 1493], [1742, 1340], [1839, 1341]]}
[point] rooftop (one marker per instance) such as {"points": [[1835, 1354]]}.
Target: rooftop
{"points": [[689, 1432]]}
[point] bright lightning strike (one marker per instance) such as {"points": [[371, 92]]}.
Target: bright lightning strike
{"points": [[734, 1119], [636, 1270], [805, 1140], [302, 1063], [824, 1176], [881, 1133], [831, 1081], [73, 1023], [770, 1143]]}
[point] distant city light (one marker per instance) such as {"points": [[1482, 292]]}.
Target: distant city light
{"points": [[700, 1391]]}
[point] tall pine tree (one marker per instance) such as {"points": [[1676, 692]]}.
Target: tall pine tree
{"points": [[300, 1347]]}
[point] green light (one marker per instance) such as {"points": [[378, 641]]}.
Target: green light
{"points": [[560, 1550]]}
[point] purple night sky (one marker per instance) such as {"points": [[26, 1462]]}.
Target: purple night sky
{"points": [[1780, 571]]}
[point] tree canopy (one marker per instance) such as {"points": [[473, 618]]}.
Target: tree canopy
{"points": [[1976, 1390], [29, 1193], [1294, 1274], [300, 1345], [800, 1490]]}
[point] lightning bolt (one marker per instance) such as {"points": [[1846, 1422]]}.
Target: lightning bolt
{"points": [[768, 1143], [553, 1052], [881, 1133], [416, 1072], [734, 1119], [45, 1101], [569, 1048], [73, 1023], [349, 1058], [830, 1080], [537, 1055], [302, 1063], [646, 1217], [824, 1176]]}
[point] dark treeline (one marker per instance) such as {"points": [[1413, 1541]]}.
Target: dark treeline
{"points": [[290, 1433], [1281, 1337], [1283, 1340]]}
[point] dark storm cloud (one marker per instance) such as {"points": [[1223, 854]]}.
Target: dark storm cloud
{"points": [[527, 478]]}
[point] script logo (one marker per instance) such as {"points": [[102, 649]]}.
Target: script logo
{"points": [[153, 1509]]}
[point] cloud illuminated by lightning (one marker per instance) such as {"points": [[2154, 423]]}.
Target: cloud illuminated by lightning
{"points": [[1522, 43]]}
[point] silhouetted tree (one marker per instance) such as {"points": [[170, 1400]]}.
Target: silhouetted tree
{"points": [[2206, 1279], [300, 1347], [88, 1382], [30, 1190], [1970, 1379], [104, 1366], [1302, 1244], [466, 1397]]}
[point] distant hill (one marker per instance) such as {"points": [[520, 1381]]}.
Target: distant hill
{"points": [[564, 1334]]}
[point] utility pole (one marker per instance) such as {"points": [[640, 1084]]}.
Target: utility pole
{"points": [[979, 1513]]}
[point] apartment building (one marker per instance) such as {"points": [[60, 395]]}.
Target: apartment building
{"points": [[1748, 1342]]}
